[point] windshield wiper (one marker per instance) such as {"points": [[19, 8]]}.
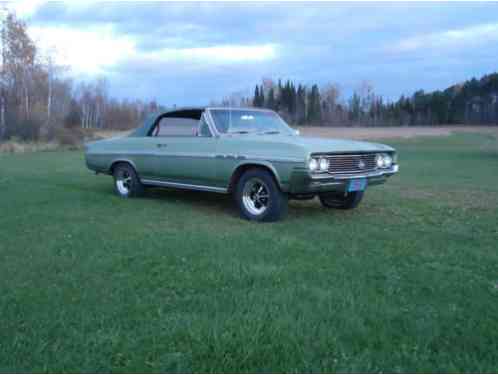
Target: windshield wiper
{"points": [[271, 132], [239, 132]]}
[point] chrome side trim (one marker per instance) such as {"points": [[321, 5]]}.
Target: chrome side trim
{"points": [[183, 186], [157, 153], [277, 158], [185, 155], [258, 158], [109, 153], [201, 155], [230, 156]]}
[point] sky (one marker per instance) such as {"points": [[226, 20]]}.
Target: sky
{"points": [[191, 53]]}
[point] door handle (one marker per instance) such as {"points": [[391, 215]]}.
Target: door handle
{"points": [[161, 145]]}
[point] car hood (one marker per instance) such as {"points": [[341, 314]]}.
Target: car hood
{"points": [[313, 144], [319, 145]]}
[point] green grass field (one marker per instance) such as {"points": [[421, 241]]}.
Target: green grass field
{"points": [[176, 282]]}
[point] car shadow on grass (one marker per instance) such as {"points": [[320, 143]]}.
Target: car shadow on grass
{"points": [[224, 203], [216, 204], [219, 203]]}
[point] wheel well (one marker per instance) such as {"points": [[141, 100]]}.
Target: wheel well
{"points": [[244, 168], [115, 163]]}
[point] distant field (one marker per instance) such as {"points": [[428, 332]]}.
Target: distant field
{"points": [[176, 282], [369, 133], [393, 132]]}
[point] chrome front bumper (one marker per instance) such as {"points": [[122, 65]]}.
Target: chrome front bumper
{"points": [[304, 183]]}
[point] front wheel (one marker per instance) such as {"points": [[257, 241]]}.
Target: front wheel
{"points": [[259, 198], [126, 182], [339, 200]]}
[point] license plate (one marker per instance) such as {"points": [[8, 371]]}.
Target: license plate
{"points": [[358, 184]]}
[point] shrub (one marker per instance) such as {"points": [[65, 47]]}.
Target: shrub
{"points": [[73, 138], [26, 130], [15, 146], [12, 147]]}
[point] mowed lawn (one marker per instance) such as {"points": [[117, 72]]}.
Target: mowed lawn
{"points": [[176, 282]]}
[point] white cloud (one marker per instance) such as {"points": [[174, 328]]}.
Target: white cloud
{"points": [[25, 8], [473, 35], [92, 51], [215, 54], [85, 51]]}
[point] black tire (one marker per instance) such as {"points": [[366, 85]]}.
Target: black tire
{"points": [[126, 181], [259, 187], [344, 201]]}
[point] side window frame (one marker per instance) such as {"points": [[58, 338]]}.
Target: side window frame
{"points": [[157, 128], [154, 130], [204, 121]]}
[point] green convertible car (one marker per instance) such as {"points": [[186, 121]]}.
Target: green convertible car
{"points": [[249, 153]]}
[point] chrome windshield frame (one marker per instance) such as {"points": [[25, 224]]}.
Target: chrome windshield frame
{"points": [[218, 133]]}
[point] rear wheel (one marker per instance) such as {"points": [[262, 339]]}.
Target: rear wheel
{"points": [[340, 200], [126, 182], [259, 198]]}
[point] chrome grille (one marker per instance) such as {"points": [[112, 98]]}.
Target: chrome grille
{"points": [[346, 164]]}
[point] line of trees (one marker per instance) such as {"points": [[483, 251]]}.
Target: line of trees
{"points": [[38, 98], [473, 102]]}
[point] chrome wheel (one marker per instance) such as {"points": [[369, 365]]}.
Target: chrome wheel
{"points": [[123, 182], [255, 196]]}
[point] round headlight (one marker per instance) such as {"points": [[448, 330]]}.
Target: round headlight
{"points": [[324, 164], [380, 161], [313, 165], [388, 161]]}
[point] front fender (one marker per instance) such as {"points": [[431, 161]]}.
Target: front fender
{"points": [[281, 170]]}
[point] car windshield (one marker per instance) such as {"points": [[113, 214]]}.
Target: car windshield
{"points": [[242, 121]]}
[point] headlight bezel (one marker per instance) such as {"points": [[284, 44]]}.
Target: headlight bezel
{"points": [[318, 164], [385, 160], [379, 160], [313, 167], [323, 164], [388, 161]]}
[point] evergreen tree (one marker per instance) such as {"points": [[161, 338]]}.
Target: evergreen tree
{"points": [[255, 101], [270, 100], [279, 105], [355, 108], [292, 99], [287, 101], [261, 96], [301, 105], [314, 113]]}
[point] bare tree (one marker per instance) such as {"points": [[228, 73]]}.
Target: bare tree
{"points": [[331, 113]]}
